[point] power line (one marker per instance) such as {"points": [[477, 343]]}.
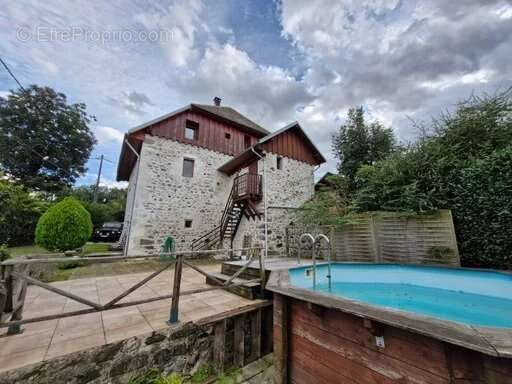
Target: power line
{"points": [[10, 73]]}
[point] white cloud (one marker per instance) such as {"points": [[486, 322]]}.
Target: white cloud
{"points": [[106, 135], [113, 184], [182, 19]]}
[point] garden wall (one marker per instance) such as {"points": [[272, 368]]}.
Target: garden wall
{"points": [[388, 237], [182, 349]]}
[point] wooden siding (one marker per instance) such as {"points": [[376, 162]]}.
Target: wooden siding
{"points": [[291, 144], [314, 344], [211, 133]]}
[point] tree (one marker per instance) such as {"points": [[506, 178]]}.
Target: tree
{"points": [[358, 143], [44, 141], [110, 206], [65, 226], [464, 165], [329, 205], [18, 214]]}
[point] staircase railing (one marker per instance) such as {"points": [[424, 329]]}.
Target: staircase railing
{"points": [[209, 238], [246, 186]]}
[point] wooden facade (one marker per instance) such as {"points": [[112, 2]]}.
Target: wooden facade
{"points": [[220, 135], [291, 144], [314, 344], [211, 134]]}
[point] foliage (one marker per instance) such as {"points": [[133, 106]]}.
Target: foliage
{"points": [[329, 205], [360, 143], [65, 226], [110, 203], [481, 199], [464, 165], [153, 376], [202, 374], [148, 377], [4, 252], [18, 214], [44, 141]]}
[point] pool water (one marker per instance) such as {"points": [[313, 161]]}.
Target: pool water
{"points": [[480, 298]]}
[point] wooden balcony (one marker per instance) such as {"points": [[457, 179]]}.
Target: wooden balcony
{"points": [[247, 187]]}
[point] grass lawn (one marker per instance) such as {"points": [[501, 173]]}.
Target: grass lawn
{"points": [[28, 250]]}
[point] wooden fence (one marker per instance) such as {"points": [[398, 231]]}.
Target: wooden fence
{"points": [[388, 237], [15, 276]]}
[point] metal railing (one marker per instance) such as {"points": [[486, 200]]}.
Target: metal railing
{"points": [[15, 277]]}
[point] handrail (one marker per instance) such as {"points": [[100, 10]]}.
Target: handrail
{"points": [[12, 299], [318, 240], [301, 240]]}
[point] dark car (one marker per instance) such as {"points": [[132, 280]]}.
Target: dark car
{"points": [[108, 232]]}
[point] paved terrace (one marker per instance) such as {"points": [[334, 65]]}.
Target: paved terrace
{"points": [[49, 339]]}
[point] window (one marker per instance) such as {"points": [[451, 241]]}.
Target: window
{"points": [[247, 141], [279, 162], [228, 135], [191, 129], [188, 223], [188, 167]]}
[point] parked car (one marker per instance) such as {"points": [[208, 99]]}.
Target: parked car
{"points": [[108, 232]]}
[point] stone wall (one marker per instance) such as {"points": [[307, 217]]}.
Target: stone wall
{"points": [[165, 198], [287, 189], [182, 349]]}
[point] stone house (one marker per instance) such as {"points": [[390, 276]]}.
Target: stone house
{"points": [[203, 174]]}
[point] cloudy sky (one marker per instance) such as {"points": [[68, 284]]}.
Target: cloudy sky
{"points": [[275, 61]]}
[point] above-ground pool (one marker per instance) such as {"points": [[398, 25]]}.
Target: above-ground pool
{"points": [[471, 297]]}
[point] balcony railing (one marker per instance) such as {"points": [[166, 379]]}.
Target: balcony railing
{"points": [[247, 186]]}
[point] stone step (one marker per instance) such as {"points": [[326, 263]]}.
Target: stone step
{"points": [[248, 290]]}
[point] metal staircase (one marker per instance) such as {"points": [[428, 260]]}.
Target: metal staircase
{"points": [[245, 193]]}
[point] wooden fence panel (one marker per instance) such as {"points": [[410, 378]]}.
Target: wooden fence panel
{"points": [[388, 237]]}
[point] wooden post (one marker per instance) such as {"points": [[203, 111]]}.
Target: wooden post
{"points": [[18, 304], [238, 343], [280, 339], [262, 273], [178, 267], [255, 335], [219, 345], [375, 232], [9, 287]]}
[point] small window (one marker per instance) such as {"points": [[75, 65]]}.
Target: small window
{"points": [[191, 129], [188, 223], [228, 135], [188, 167], [247, 141], [279, 162]]}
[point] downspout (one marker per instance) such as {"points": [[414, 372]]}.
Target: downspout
{"points": [[125, 250], [265, 223]]}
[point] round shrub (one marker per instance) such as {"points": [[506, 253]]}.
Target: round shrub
{"points": [[66, 225]]}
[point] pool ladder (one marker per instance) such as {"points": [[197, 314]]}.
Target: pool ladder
{"points": [[315, 244]]}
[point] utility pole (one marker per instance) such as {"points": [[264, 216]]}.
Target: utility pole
{"points": [[95, 197]]}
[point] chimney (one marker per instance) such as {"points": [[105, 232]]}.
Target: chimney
{"points": [[216, 101]]}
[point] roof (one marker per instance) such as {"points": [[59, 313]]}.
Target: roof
{"points": [[225, 113], [230, 114], [249, 155]]}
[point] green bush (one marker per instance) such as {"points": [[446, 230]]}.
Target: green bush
{"points": [[480, 197], [66, 225], [466, 166], [4, 252], [19, 212]]}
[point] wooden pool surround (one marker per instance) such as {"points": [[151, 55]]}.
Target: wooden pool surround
{"points": [[320, 338]]}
